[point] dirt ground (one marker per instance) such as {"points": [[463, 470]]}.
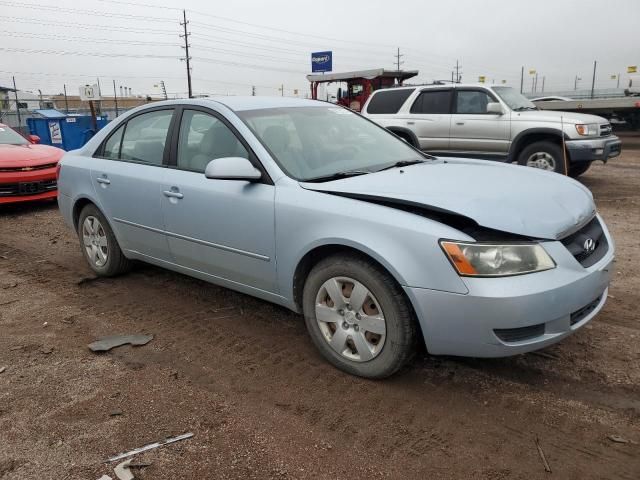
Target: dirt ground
{"points": [[243, 376]]}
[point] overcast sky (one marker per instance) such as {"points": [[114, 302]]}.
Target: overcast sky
{"points": [[241, 43]]}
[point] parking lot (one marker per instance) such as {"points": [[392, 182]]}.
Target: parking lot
{"points": [[244, 378]]}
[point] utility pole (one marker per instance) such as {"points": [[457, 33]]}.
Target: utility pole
{"points": [[66, 103], [458, 66], [575, 82], [452, 74], [164, 89], [253, 90], [522, 79], [618, 86], [15, 91], [115, 98], [543, 77], [398, 62], [593, 82], [187, 58], [282, 90]]}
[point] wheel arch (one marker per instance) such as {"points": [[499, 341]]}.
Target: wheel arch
{"points": [[533, 135], [317, 252], [405, 133]]}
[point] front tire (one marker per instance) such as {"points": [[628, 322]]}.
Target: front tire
{"points": [[577, 169], [99, 244], [358, 317], [544, 155]]}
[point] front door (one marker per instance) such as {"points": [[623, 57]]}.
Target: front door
{"points": [[128, 174], [223, 228], [473, 130]]}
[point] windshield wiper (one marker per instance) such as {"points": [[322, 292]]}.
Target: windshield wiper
{"points": [[519, 109], [337, 176], [402, 163]]}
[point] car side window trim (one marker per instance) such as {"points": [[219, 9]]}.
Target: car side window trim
{"points": [[488, 93], [175, 139], [99, 153]]}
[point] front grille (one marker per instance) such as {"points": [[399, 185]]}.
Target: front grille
{"points": [[581, 314], [26, 188], [605, 130], [589, 244], [28, 169], [511, 335]]}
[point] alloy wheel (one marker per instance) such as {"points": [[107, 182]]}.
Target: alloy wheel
{"points": [[542, 160], [350, 319], [95, 241]]}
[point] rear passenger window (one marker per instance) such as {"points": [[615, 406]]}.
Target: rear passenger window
{"points": [[436, 101], [145, 137], [389, 101], [112, 145]]}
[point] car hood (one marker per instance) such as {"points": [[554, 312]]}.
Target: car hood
{"points": [[555, 116], [30, 155], [510, 198]]}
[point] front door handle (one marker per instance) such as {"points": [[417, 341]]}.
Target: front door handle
{"points": [[411, 123], [459, 123], [173, 194], [103, 180]]}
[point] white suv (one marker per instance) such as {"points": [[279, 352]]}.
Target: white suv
{"points": [[492, 122]]}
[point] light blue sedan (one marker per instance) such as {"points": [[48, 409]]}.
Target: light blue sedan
{"points": [[313, 207]]}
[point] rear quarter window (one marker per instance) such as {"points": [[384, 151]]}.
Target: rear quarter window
{"points": [[388, 101]]}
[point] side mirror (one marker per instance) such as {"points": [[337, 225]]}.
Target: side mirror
{"points": [[232, 168], [33, 138], [495, 107]]}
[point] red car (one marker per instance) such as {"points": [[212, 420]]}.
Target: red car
{"points": [[27, 170]]}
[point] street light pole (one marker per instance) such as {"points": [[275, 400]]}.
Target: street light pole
{"points": [[593, 82]]}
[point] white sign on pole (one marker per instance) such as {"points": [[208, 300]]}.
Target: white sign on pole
{"points": [[89, 92], [55, 132]]}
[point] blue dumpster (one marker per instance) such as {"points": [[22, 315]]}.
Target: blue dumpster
{"points": [[64, 131]]}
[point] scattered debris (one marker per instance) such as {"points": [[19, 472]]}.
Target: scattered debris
{"points": [[86, 280], [122, 470], [104, 344], [105, 477], [547, 468], [4, 257], [9, 285], [174, 374], [617, 439], [3, 369], [151, 446], [69, 320], [17, 347], [548, 355], [9, 302], [116, 413], [611, 297], [45, 324], [46, 350]]}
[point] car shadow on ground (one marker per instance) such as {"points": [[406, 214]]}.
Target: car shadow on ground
{"points": [[27, 208]]}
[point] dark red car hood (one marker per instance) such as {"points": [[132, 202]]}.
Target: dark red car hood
{"points": [[31, 155]]}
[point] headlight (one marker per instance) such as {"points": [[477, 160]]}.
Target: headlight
{"points": [[485, 260], [585, 130]]}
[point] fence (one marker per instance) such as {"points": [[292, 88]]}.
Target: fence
{"points": [[11, 118]]}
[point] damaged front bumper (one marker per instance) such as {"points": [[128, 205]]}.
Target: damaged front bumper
{"points": [[589, 150]]}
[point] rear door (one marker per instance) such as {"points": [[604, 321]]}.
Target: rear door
{"points": [[429, 117], [473, 130], [224, 228], [128, 176]]}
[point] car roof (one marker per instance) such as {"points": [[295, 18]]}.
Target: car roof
{"points": [[240, 103], [439, 86]]}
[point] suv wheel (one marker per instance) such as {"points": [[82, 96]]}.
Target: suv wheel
{"points": [[544, 155], [99, 244], [577, 169], [358, 317]]}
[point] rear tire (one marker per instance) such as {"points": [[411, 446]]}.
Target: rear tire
{"points": [[369, 330], [577, 169], [544, 155], [99, 244]]}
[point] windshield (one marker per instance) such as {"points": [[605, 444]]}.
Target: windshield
{"points": [[11, 137], [514, 99], [315, 142]]}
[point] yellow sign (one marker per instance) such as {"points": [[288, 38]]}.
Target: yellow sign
{"points": [[481, 78], [632, 69], [532, 72]]}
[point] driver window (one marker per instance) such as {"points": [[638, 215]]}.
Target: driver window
{"points": [[203, 138], [472, 102]]}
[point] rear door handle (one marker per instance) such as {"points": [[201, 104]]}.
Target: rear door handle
{"points": [[173, 194], [459, 123], [411, 123], [103, 180]]}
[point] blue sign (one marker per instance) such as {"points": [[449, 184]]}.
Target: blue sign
{"points": [[321, 62]]}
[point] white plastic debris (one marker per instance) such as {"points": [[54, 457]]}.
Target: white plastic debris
{"points": [[122, 470], [151, 446]]}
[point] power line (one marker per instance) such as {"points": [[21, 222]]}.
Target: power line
{"points": [[46, 36], [144, 18], [84, 26], [89, 54]]}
